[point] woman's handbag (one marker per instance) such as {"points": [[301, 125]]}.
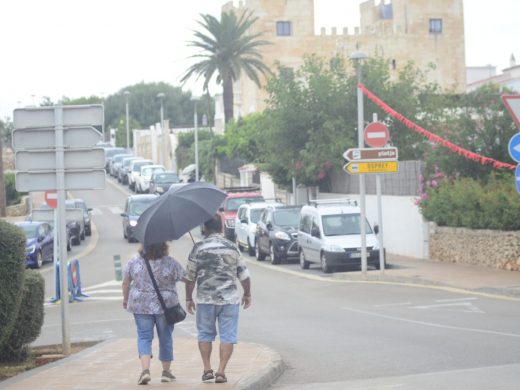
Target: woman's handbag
{"points": [[173, 314]]}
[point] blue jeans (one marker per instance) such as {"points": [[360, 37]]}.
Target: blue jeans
{"points": [[227, 316], [145, 324]]}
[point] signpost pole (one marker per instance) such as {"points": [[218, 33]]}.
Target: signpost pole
{"points": [[380, 217], [60, 184]]}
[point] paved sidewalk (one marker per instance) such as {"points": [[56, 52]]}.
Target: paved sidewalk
{"points": [[114, 365]]}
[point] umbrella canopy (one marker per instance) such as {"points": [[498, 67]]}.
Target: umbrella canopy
{"points": [[177, 212]]}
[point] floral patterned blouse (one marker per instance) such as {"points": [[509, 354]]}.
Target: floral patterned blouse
{"points": [[142, 298]]}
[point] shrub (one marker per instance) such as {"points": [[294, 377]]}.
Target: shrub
{"points": [[12, 196], [12, 264], [29, 320]]}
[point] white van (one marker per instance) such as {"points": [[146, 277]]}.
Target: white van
{"points": [[330, 234]]}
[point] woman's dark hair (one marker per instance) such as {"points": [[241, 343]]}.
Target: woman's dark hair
{"points": [[212, 225], [154, 251]]}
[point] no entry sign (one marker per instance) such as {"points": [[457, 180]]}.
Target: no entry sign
{"points": [[51, 198], [376, 135]]}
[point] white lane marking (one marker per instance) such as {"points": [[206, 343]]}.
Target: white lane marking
{"points": [[394, 304], [456, 299], [432, 324], [115, 210], [467, 307], [104, 284], [96, 211]]}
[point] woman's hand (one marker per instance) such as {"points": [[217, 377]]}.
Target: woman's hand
{"points": [[190, 306], [125, 304]]}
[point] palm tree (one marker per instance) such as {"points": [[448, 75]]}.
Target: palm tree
{"points": [[227, 50]]}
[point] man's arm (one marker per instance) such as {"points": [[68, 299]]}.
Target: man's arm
{"points": [[246, 299], [190, 305]]}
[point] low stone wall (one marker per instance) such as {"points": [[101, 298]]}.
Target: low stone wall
{"points": [[19, 209], [488, 248]]}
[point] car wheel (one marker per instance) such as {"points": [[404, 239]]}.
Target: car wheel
{"points": [[69, 244], [304, 264], [250, 248], [275, 259], [324, 264], [258, 253], [240, 247], [39, 259], [76, 241], [82, 235], [88, 231]]}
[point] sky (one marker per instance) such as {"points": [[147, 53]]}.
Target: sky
{"points": [[78, 48]]}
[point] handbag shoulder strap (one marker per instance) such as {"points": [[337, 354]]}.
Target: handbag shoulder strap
{"points": [[161, 300]]}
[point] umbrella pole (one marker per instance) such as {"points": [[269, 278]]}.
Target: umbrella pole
{"points": [[191, 237]]}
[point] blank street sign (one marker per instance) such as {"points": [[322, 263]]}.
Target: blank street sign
{"points": [[44, 138], [42, 160], [47, 215], [88, 115], [88, 179]]}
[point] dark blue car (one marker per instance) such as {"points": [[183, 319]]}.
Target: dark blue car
{"points": [[40, 242]]}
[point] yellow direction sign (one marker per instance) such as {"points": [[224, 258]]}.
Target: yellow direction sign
{"points": [[371, 167]]}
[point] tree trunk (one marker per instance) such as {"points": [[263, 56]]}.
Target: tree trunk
{"points": [[228, 100], [3, 210]]}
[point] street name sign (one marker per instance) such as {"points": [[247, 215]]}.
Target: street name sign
{"points": [[376, 134], [86, 179], [371, 167], [512, 103], [44, 138], [73, 159], [363, 154], [87, 115]]}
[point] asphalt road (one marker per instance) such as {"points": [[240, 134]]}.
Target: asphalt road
{"points": [[331, 334]]}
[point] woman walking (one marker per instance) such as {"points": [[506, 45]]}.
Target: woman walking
{"points": [[140, 298]]}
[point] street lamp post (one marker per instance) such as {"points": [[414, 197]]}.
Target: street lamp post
{"points": [[126, 93], [357, 57], [195, 122], [163, 132]]}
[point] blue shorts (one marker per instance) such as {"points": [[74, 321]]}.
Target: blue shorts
{"points": [[227, 316], [145, 327]]}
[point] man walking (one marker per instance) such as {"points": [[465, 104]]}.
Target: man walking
{"points": [[215, 264]]}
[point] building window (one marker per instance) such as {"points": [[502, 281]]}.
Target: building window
{"points": [[435, 26], [283, 29]]}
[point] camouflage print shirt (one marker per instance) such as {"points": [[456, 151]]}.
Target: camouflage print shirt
{"points": [[215, 263]]}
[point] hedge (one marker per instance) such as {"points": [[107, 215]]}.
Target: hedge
{"points": [[29, 320], [12, 265]]}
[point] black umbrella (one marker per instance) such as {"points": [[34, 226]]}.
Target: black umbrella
{"points": [[178, 211]]}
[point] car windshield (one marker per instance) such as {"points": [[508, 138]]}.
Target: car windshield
{"points": [[255, 215], [343, 224], [138, 207], [167, 178], [113, 152], [126, 163], [70, 204], [31, 231], [234, 203], [81, 205], [138, 165], [287, 217], [150, 171]]}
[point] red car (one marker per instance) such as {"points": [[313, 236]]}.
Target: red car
{"points": [[236, 196]]}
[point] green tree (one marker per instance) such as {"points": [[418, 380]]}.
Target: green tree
{"points": [[226, 49]]}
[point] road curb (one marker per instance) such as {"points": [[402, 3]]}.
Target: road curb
{"points": [[266, 376]]}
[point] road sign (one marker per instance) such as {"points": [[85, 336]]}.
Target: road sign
{"points": [[47, 215], [379, 154], [44, 138], [51, 198], [376, 134], [517, 178], [87, 179], [73, 159], [88, 115], [371, 167], [512, 103], [514, 147]]}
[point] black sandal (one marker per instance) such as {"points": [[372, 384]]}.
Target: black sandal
{"points": [[207, 375], [220, 378]]}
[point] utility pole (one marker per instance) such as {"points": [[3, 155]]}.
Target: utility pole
{"points": [[3, 200]]}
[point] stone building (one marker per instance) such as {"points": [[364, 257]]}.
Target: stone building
{"points": [[430, 33]]}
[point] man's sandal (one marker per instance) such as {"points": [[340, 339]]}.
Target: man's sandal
{"points": [[207, 375], [220, 378]]}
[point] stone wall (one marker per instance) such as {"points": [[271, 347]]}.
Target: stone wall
{"points": [[19, 209], [488, 248]]}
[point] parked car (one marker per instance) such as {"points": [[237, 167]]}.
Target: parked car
{"points": [[247, 216], [122, 176], [134, 207], [80, 204], [160, 182], [78, 228], [72, 227], [115, 163], [329, 234], [277, 233], [142, 182], [39, 242], [134, 170], [188, 173], [236, 196], [111, 152]]}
